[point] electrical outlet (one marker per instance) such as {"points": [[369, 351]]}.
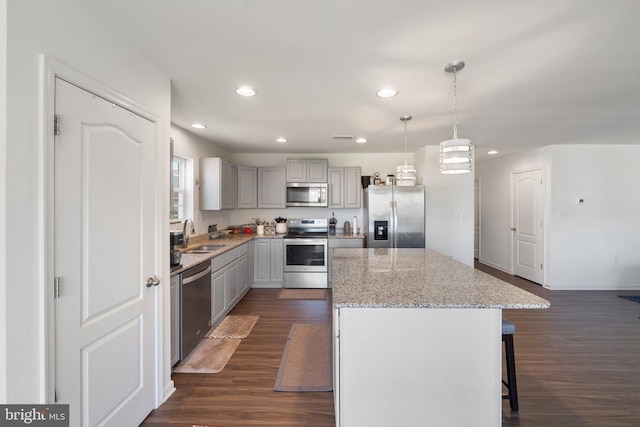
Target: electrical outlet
{"points": [[579, 201]]}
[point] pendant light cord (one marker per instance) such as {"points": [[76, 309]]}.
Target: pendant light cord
{"points": [[455, 106], [405, 143]]}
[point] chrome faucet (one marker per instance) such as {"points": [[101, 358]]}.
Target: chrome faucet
{"points": [[184, 232]]}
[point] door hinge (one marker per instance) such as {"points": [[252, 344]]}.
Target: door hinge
{"points": [[56, 124], [56, 287], [540, 266]]}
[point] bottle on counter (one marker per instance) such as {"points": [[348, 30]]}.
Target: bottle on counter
{"points": [[332, 223], [355, 226]]}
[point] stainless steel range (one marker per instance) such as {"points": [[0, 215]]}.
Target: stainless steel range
{"points": [[305, 253]]}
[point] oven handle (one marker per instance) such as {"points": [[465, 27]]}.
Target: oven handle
{"points": [[306, 241]]}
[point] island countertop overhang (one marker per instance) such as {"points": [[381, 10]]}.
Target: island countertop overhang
{"points": [[419, 278]]}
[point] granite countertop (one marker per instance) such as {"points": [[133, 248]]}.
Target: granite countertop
{"points": [[230, 242], [419, 278]]}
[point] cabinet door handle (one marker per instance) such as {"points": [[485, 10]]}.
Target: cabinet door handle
{"points": [[152, 281], [513, 229]]}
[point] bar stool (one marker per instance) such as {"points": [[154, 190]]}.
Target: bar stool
{"points": [[508, 329]]}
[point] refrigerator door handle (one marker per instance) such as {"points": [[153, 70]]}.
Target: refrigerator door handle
{"points": [[392, 225], [394, 211]]}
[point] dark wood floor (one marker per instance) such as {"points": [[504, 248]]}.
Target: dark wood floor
{"points": [[242, 394], [578, 364]]}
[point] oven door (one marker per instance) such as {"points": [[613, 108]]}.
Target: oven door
{"points": [[305, 255]]}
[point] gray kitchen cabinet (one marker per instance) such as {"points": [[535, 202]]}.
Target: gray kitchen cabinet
{"points": [[229, 186], [247, 187], [218, 184], [345, 187], [243, 274], [277, 260], [272, 188], [335, 187], [250, 264], [228, 281], [218, 304], [269, 263], [307, 170], [352, 187]]}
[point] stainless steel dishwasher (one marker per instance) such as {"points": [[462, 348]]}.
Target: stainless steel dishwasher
{"points": [[196, 306]]}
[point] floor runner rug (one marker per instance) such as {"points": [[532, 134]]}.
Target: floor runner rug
{"points": [[234, 326], [209, 357], [319, 294], [634, 298], [307, 360]]}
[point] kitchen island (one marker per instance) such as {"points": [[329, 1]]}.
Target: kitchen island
{"points": [[417, 339]]}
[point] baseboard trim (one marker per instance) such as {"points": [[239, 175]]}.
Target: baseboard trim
{"points": [[497, 267], [266, 285]]}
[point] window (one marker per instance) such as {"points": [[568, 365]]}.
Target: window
{"points": [[178, 188]]}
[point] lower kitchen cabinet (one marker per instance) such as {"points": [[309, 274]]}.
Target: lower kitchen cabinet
{"points": [[218, 304], [269, 263], [229, 281], [250, 264]]}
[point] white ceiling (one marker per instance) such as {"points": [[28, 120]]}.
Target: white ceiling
{"points": [[538, 72]]}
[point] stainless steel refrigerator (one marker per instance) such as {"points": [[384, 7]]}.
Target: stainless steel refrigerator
{"points": [[394, 216]]}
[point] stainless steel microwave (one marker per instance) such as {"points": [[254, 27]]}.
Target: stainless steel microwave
{"points": [[307, 194]]}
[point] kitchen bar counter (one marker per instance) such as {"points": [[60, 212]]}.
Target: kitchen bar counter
{"points": [[419, 278], [417, 339]]}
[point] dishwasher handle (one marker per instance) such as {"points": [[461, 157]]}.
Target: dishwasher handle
{"points": [[189, 279]]}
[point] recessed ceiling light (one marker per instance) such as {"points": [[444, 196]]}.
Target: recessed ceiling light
{"points": [[387, 93], [361, 140], [281, 140], [492, 152], [245, 91], [198, 126]]}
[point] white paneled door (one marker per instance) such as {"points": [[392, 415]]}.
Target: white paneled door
{"points": [[104, 253], [527, 225]]}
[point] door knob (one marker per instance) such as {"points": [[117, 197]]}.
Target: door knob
{"points": [[513, 229], [152, 281]]}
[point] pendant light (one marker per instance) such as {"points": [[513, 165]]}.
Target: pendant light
{"points": [[456, 154], [406, 173]]}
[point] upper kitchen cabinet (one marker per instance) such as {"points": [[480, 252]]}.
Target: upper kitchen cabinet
{"points": [[218, 184], [345, 187], [307, 170], [247, 187], [272, 188]]}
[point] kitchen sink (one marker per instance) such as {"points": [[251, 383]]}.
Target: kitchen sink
{"points": [[210, 247], [204, 249]]}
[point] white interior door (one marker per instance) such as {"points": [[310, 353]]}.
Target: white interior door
{"points": [[104, 253], [527, 225]]}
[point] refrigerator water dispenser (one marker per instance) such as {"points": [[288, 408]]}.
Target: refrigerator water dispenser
{"points": [[382, 230]]}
